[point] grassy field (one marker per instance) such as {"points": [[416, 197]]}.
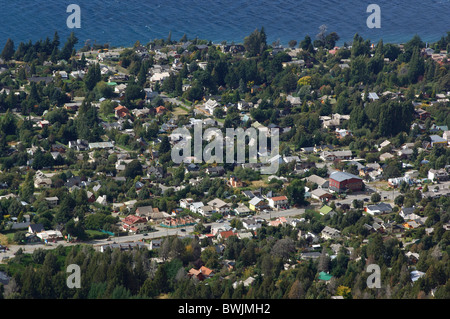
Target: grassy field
{"points": [[6, 239], [95, 234], [178, 111]]}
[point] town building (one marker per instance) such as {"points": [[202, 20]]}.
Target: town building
{"points": [[279, 202], [134, 224], [342, 182]]}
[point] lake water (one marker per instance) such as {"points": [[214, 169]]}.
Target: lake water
{"points": [[122, 22]]}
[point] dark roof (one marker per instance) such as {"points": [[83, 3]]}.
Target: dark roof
{"points": [[20, 225], [37, 228], [216, 169], [74, 180], [408, 210], [249, 194], [155, 170], [38, 79]]}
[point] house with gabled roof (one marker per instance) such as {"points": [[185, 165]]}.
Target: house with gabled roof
{"points": [[134, 224], [219, 205], [380, 208], [278, 202], [211, 105], [330, 233], [35, 228], [256, 204], [321, 194], [195, 206], [201, 274], [225, 234], [321, 182], [326, 210], [121, 111]]}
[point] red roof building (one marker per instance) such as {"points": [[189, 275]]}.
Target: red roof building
{"points": [[134, 224], [201, 274], [279, 202], [342, 181], [160, 110], [226, 234], [121, 111]]}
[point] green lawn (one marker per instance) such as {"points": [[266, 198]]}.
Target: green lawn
{"points": [[95, 234]]}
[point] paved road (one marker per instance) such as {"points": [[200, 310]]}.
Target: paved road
{"points": [[387, 196], [159, 233]]}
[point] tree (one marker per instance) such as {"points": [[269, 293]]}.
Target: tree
{"points": [[8, 50], [375, 198], [324, 261], [297, 290], [330, 40], [134, 92], [67, 50], [92, 77], [344, 291], [416, 66], [255, 44], [27, 189], [321, 35], [183, 38], [8, 123], [306, 43], [164, 147], [292, 43], [296, 192], [107, 107], [283, 248], [133, 169]]}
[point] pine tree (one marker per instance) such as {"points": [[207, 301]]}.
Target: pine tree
{"points": [[416, 66], [8, 50]]}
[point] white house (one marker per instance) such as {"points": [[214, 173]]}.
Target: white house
{"points": [[195, 206], [210, 105], [381, 208], [251, 224], [440, 175], [102, 200], [330, 233], [205, 210], [219, 205], [278, 202], [186, 202]]}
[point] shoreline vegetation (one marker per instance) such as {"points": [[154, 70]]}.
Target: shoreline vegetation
{"points": [[85, 151]]}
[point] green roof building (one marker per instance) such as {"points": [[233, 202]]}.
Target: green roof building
{"points": [[324, 276], [325, 210]]}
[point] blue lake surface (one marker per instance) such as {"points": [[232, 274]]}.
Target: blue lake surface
{"points": [[122, 22]]}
